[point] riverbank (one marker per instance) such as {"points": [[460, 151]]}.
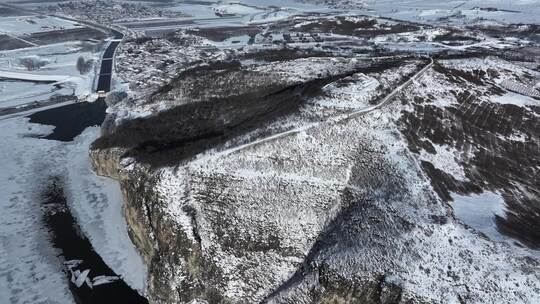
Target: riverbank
{"points": [[30, 267]]}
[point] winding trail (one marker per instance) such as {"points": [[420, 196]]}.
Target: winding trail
{"points": [[336, 119], [388, 98]]}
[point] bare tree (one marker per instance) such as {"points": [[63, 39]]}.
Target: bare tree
{"points": [[81, 63], [28, 63], [84, 66], [31, 63]]}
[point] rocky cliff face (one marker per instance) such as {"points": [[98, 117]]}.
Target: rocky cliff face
{"points": [[274, 179]]}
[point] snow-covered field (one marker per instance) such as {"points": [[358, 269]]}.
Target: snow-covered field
{"points": [[478, 211], [45, 61], [14, 93], [21, 25], [454, 11], [59, 59], [259, 8], [458, 11], [57, 63], [30, 271]]}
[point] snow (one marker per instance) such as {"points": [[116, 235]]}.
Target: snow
{"points": [[458, 11], [468, 265], [58, 59], [194, 10], [434, 89], [250, 186], [478, 211], [100, 280], [518, 136], [59, 66], [80, 277], [97, 206], [284, 4], [30, 271], [527, 90], [445, 159], [235, 41], [252, 189], [32, 77], [471, 64], [235, 8], [301, 70], [352, 95], [269, 166], [270, 16], [32, 24], [14, 93], [82, 86], [515, 99], [510, 77], [203, 14]]}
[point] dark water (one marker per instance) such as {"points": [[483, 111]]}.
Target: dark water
{"points": [[69, 239], [71, 120], [76, 250]]}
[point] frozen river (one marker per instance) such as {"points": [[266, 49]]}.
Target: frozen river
{"points": [[31, 268]]}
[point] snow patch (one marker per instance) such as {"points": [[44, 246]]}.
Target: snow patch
{"points": [[445, 159], [478, 211], [515, 99]]}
